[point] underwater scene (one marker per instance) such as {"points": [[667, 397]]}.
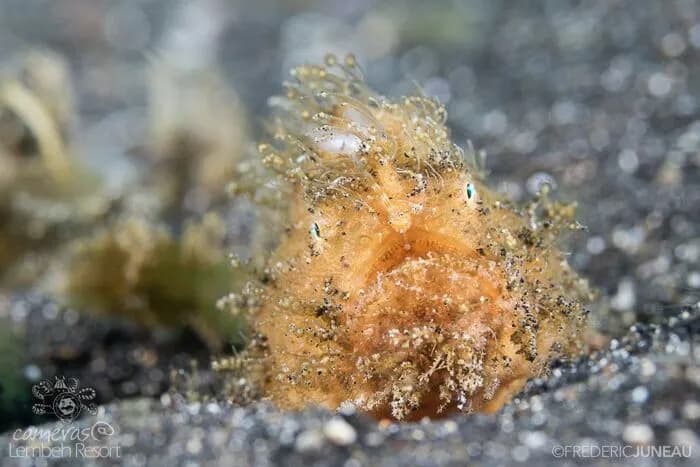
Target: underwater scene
{"points": [[335, 233]]}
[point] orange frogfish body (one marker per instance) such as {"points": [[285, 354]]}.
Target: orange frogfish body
{"points": [[403, 285]]}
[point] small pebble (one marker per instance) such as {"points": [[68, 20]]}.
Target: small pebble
{"points": [[309, 441], [339, 432], [638, 433]]}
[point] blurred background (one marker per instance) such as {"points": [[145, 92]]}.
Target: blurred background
{"points": [[122, 123]]}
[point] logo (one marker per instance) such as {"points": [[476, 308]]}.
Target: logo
{"points": [[62, 398]]}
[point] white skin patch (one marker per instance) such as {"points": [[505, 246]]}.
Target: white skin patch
{"points": [[336, 142]]}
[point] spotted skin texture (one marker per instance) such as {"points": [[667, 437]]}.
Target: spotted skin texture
{"points": [[403, 285]]}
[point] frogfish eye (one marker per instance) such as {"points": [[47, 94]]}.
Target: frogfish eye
{"points": [[315, 231], [470, 191]]}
